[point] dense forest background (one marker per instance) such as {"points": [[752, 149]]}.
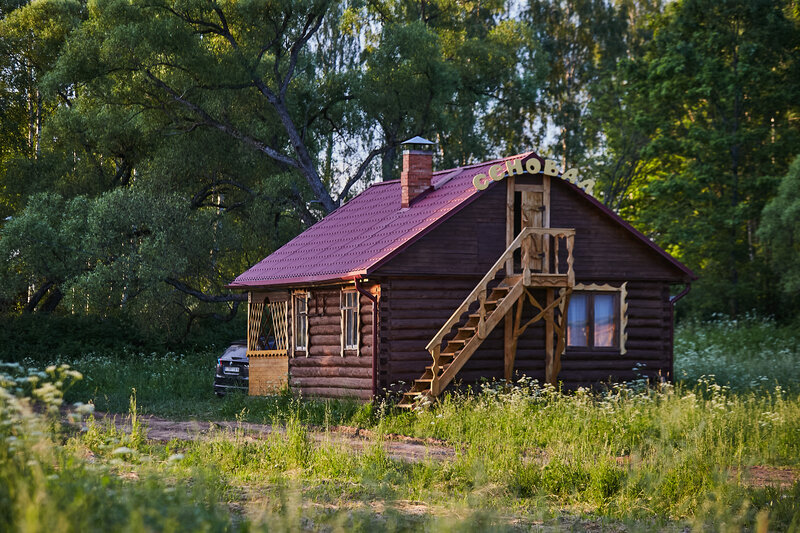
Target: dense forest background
{"points": [[151, 150]]}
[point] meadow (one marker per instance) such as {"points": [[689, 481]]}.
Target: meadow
{"points": [[719, 450]]}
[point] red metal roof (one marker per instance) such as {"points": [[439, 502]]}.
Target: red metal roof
{"points": [[359, 236]]}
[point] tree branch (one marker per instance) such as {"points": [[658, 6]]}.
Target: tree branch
{"points": [[203, 297], [202, 194], [361, 169], [224, 127], [305, 35]]}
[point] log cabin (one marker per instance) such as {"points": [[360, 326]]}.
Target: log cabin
{"points": [[493, 270]]}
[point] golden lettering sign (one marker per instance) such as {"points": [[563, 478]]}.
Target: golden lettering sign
{"points": [[532, 166]]}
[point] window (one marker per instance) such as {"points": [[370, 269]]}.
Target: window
{"points": [[350, 322], [300, 306], [595, 318]]}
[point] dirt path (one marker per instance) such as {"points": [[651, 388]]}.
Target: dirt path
{"points": [[398, 447]]}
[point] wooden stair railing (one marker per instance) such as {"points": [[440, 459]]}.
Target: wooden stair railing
{"points": [[492, 306]]}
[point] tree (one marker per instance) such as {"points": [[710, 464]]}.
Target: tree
{"points": [[780, 232], [618, 111], [580, 39], [125, 253], [721, 83], [42, 249], [31, 38]]}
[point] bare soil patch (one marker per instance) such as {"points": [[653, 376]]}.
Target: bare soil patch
{"points": [[767, 476], [398, 447]]}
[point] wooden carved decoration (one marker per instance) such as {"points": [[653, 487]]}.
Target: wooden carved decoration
{"points": [[532, 166], [267, 325]]}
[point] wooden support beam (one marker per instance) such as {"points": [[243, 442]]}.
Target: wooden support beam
{"points": [[533, 301], [542, 314], [548, 331], [528, 187], [510, 181], [509, 345], [546, 201], [551, 370], [546, 224]]}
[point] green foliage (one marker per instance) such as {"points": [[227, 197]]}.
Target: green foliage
{"points": [[44, 244], [745, 354], [44, 486], [780, 230], [720, 106], [226, 129]]}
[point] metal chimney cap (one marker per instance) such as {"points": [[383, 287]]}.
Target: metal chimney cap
{"points": [[418, 140]]}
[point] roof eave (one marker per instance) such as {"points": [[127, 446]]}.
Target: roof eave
{"points": [[297, 281]]}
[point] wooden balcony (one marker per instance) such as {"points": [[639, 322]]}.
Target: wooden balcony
{"points": [[545, 257]]}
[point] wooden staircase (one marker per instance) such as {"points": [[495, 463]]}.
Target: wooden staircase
{"points": [[489, 303]]}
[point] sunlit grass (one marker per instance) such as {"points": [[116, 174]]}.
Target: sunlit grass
{"points": [[645, 458]]}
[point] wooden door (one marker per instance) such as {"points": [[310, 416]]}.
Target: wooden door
{"points": [[532, 216], [527, 206]]}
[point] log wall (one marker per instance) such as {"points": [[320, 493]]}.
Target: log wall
{"points": [[604, 249], [324, 371], [413, 310], [268, 375], [426, 282]]}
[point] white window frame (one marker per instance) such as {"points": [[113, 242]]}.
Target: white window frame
{"points": [[623, 311], [300, 339], [355, 308]]}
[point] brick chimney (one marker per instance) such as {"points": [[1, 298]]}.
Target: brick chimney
{"points": [[417, 169]]}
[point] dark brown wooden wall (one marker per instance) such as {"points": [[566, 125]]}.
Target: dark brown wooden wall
{"points": [[324, 372], [469, 242], [413, 310], [421, 286], [417, 300], [604, 249]]}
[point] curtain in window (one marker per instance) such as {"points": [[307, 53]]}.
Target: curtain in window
{"points": [[578, 321], [605, 326]]}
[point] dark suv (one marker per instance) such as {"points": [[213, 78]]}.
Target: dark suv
{"points": [[233, 370]]}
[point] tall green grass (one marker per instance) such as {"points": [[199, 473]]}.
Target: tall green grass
{"points": [[53, 478], [642, 457], [746, 354]]}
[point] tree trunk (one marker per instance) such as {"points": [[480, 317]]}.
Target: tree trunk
{"points": [[389, 157], [52, 301], [37, 297]]}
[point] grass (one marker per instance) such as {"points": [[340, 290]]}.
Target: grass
{"points": [[635, 457], [745, 354]]}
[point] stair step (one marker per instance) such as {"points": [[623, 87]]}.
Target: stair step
{"points": [[456, 347]]}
